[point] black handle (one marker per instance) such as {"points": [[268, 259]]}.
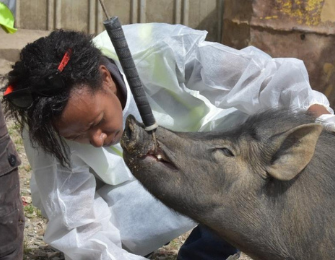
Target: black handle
{"points": [[115, 32]]}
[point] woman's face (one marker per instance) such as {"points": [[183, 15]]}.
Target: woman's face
{"points": [[93, 118]]}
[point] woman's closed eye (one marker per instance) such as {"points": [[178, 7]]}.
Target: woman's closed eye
{"points": [[76, 137], [95, 124]]}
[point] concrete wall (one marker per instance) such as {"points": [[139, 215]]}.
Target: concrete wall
{"points": [[88, 15]]}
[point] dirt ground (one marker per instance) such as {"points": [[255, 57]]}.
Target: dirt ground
{"points": [[34, 246]]}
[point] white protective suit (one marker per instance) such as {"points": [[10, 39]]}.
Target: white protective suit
{"points": [[192, 85]]}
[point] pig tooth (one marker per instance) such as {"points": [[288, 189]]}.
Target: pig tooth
{"points": [[159, 157]]}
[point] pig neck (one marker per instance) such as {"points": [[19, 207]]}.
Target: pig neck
{"points": [[250, 228], [285, 221]]}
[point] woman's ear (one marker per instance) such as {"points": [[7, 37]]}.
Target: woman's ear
{"points": [[107, 79]]}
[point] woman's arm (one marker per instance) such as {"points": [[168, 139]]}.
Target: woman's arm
{"points": [[250, 80], [78, 218], [318, 110]]}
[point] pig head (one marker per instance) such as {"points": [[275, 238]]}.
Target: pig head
{"points": [[266, 186]]}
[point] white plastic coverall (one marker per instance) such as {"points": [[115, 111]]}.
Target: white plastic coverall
{"points": [[192, 85]]}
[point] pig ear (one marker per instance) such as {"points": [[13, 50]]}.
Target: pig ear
{"points": [[294, 150]]}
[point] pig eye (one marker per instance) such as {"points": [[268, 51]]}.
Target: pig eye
{"points": [[227, 152]]}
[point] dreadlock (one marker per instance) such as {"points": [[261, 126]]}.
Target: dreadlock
{"points": [[37, 61]]}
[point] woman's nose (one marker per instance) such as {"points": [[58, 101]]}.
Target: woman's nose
{"points": [[97, 138]]}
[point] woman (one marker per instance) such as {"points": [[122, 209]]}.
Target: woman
{"points": [[71, 100]]}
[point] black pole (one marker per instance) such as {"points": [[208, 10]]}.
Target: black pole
{"points": [[115, 32]]}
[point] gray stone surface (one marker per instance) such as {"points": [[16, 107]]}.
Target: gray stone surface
{"points": [[11, 44], [5, 66]]}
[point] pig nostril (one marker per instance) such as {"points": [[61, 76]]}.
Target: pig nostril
{"points": [[127, 132], [129, 129]]}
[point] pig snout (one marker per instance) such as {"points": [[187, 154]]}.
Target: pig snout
{"points": [[135, 140], [140, 144]]}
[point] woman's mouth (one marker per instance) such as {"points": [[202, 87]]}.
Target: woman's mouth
{"points": [[115, 139]]}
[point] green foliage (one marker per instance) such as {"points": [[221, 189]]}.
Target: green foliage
{"points": [[31, 211]]}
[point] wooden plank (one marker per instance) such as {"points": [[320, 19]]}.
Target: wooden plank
{"points": [[74, 15], [203, 15], [33, 14], [88, 16], [160, 11]]}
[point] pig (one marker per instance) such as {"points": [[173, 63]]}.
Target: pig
{"points": [[266, 186]]}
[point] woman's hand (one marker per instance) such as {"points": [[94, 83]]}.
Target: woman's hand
{"points": [[317, 110]]}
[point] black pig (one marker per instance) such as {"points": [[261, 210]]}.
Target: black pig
{"points": [[266, 186]]}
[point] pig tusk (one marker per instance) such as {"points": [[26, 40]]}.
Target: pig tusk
{"points": [[155, 141]]}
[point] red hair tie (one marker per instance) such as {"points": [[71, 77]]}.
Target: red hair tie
{"points": [[65, 60], [8, 90]]}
